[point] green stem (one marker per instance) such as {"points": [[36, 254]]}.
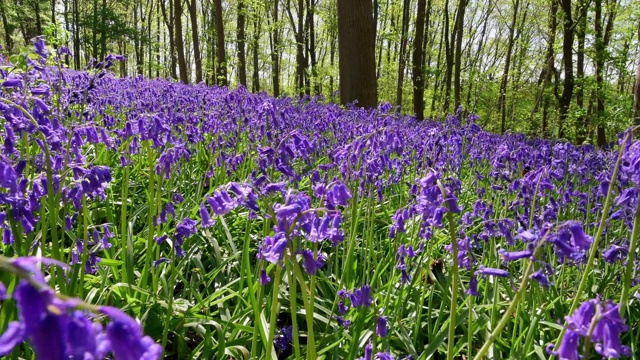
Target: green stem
{"points": [[514, 303], [631, 255], [274, 311], [293, 299], [596, 241]]}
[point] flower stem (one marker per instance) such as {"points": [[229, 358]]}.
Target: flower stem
{"points": [[631, 255]]}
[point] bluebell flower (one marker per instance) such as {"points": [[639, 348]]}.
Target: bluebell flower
{"points": [[361, 297], [126, 338], [381, 326], [272, 248], [284, 338], [485, 271]]}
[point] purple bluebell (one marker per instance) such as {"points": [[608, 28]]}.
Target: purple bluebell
{"points": [[382, 329], [361, 297], [284, 338], [485, 271], [205, 218], [126, 338], [272, 248]]}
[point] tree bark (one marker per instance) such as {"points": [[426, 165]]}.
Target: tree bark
{"points": [[636, 89], [182, 62], [403, 51], [418, 75], [7, 28], [242, 60], [581, 124], [356, 48], [193, 15], [462, 5], [275, 52], [221, 50], [448, 46], [567, 58], [257, 29], [502, 102], [602, 37], [169, 21]]}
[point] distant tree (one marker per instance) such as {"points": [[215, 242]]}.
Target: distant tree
{"points": [[418, 62], [356, 45], [241, 39], [182, 61], [193, 15], [221, 53]]}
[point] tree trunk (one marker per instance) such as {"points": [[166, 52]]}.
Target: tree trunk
{"points": [[76, 35], [502, 102], [403, 51], [257, 29], [182, 62], [169, 21], [193, 15], [581, 124], [448, 46], [221, 51], [636, 88], [462, 5], [242, 59], [8, 29], [601, 42], [356, 51], [312, 47], [275, 52], [418, 76], [567, 58]]}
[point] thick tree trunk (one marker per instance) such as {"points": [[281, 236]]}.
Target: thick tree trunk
{"points": [[418, 76], [193, 15], [221, 50], [182, 62], [242, 59], [403, 51], [502, 102], [76, 35], [357, 60]]}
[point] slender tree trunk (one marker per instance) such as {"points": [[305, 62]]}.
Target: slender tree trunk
{"points": [[8, 40], [418, 76], [38, 18], [502, 102], [403, 51], [169, 21], [275, 51], [636, 88], [193, 15], [567, 58], [380, 45], [76, 35], [312, 47], [581, 124], [257, 29], [357, 59], [448, 46], [602, 41], [241, 39], [182, 62], [462, 5], [221, 50], [103, 30]]}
